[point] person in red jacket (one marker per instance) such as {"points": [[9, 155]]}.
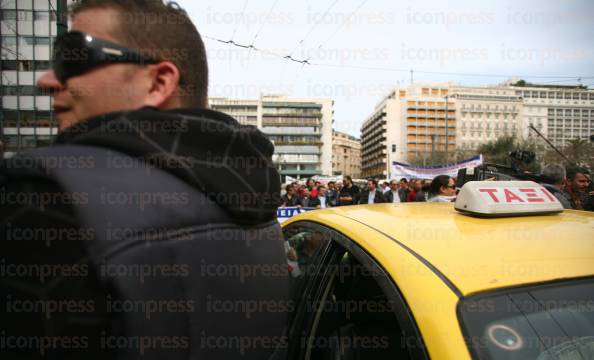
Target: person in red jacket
{"points": [[415, 186]]}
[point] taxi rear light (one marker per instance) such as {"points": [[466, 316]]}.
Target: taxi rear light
{"points": [[506, 198]]}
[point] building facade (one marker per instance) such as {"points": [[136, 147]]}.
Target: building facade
{"points": [[27, 30], [301, 130], [485, 114], [346, 155], [412, 122], [560, 113], [409, 125]]}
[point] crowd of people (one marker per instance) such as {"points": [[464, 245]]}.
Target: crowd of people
{"points": [[315, 194], [572, 187]]}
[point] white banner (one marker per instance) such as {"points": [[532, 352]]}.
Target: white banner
{"points": [[326, 179], [400, 170]]}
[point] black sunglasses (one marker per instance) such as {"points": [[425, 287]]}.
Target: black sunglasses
{"points": [[76, 53]]}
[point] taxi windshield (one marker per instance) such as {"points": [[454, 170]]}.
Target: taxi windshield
{"points": [[554, 321]]}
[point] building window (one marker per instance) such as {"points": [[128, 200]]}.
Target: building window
{"points": [[23, 90], [35, 40], [44, 15], [25, 15], [9, 40], [8, 15], [24, 65]]}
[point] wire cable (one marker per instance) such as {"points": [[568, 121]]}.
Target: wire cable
{"points": [[390, 69], [240, 18], [264, 22], [300, 43]]}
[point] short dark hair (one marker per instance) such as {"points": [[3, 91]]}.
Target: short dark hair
{"points": [[164, 31], [572, 172], [404, 179], [373, 181], [288, 187], [348, 178], [437, 183]]}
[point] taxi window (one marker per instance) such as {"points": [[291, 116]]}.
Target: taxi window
{"points": [[304, 248], [544, 323], [346, 306]]}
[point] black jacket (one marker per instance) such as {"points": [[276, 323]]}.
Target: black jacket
{"points": [[352, 192], [378, 198], [293, 201], [389, 195], [150, 223]]}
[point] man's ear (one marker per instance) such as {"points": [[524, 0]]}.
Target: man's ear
{"points": [[164, 85]]}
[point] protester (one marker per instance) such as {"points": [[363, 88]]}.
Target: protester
{"points": [[442, 189], [576, 184], [322, 198], [142, 175], [415, 186], [290, 198], [332, 194], [308, 201], [423, 194], [299, 189], [393, 196], [554, 176], [312, 187], [349, 193], [589, 204], [371, 195], [404, 190]]}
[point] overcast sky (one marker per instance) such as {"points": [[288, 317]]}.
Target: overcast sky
{"points": [[358, 47]]}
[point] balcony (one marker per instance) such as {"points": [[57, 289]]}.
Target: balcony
{"points": [[299, 143], [296, 121], [295, 114], [297, 149]]}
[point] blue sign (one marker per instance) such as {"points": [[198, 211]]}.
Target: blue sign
{"points": [[286, 212]]}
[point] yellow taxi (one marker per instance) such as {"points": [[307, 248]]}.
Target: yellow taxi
{"points": [[504, 273]]}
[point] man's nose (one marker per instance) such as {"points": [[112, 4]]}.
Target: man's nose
{"points": [[49, 82]]}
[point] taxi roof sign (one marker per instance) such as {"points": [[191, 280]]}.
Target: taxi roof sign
{"points": [[506, 198]]}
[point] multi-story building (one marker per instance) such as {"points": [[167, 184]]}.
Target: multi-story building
{"points": [[247, 112], [559, 112], [409, 125], [27, 31], [484, 114], [346, 155], [301, 130]]}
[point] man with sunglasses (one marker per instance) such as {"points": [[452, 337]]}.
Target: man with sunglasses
{"points": [[150, 214]]}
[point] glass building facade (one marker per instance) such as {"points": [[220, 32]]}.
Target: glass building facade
{"points": [[27, 32]]}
